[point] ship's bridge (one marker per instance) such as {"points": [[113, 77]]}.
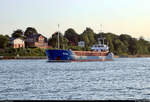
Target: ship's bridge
{"points": [[100, 47]]}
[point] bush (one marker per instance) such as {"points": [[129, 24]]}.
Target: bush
{"points": [[22, 52], [76, 48]]}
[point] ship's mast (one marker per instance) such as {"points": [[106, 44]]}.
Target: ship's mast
{"points": [[58, 37], [101, 28], [101, 37]]}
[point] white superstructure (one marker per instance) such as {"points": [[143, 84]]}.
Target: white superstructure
{"points": [[100, 46]]}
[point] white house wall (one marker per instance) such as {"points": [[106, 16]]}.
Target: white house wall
{"points": [[18, 41]]}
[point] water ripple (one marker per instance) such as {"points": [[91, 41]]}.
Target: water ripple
{"points": [[123, 78]]}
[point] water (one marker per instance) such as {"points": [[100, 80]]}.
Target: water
{"points": [[124, 78]]}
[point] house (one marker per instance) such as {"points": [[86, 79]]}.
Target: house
{"points": [[81, 44], [36, 40], [17, 42]]}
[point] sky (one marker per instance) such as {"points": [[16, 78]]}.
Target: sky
{"points": [[116, 16]]}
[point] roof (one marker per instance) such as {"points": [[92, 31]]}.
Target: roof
{"points": [[11, 39], [36, 36]]}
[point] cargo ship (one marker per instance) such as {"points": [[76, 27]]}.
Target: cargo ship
{"points": [[98, 52], [77, 56]]}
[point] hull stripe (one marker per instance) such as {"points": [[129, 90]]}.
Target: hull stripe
{"points": [[80, 60]]}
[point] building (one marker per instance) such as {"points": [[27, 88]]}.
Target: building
{"points": [[36, 40], [17, 42], [81, 44]]}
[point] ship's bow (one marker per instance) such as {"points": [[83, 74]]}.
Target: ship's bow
{"points": [[59, 55]]}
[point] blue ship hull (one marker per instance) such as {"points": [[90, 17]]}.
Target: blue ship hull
{"points": [[68, 55], [59, 54]]}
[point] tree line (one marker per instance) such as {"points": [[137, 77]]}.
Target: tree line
{"points": [[122, 44], [4, 39]]}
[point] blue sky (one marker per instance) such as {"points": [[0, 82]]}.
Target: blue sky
{"points": [[117, 16]]}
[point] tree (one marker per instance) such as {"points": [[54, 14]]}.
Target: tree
{"points": [[7, 36], [17, 33], [29, 31], [72, 36], [125, 39], [143, 46], [88, 37], [133, 46], [3, 41], [109, 38], [119, 47], [53, 41]]}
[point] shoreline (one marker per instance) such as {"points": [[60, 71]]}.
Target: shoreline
{"points": [[22, 57], [45, 57], [132, 56]]}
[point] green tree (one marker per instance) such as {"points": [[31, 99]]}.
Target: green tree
{"points": [[17, 33], [119, 47], [143, 46], [88, 37], [7, 36], [72, 36], [3, 41], [109, 38], [30, 31], [125, 39], [53, 41], [133, 46]]}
